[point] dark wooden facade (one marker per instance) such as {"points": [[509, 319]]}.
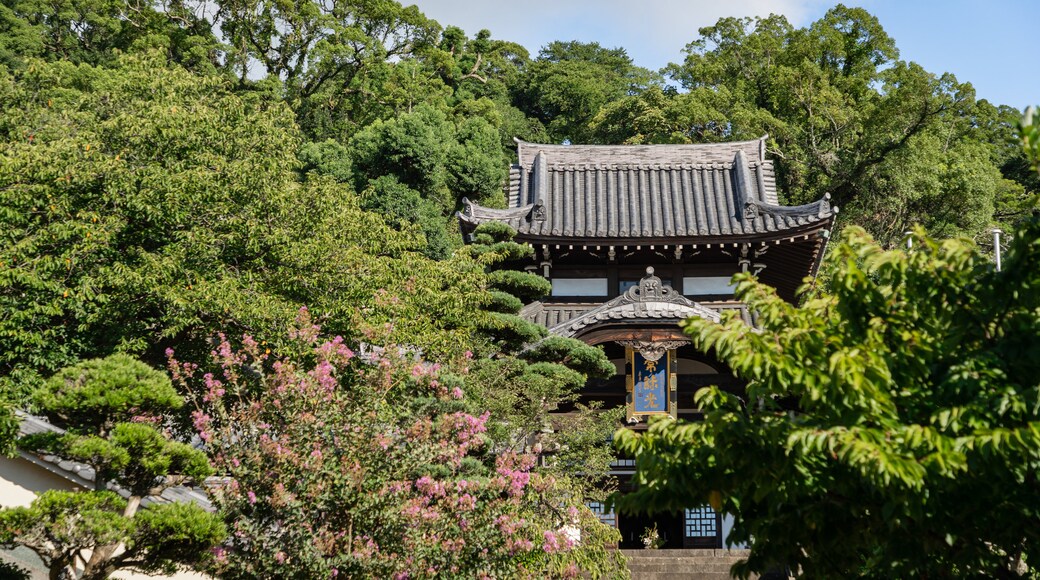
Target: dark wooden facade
{"points": [[637, 238]]}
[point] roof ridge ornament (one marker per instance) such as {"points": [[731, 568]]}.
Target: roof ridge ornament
{"points": [[538, 211], [651, 289], [650, 300]]}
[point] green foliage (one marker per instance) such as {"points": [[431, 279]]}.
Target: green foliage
{"points": [[511, 332], [427, 152], [396, 447], [122, 188], [570, 81], [154, 457], [892, 143], [327, 157], [890, 427], [78, 520], [404, 207], [334, 61], [498, 231], [528, 287], [93, 395], [532, 376], [504, 302], [8, 427], [96, 31], [60, 525], [573, 353], [142, 207], [114, 408], [174, 533]]}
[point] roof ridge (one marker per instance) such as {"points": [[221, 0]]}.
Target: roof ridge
{"points": [[638, 165], [718, 144]]}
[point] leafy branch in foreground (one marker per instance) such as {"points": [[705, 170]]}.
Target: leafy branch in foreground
{"points": [[890, 428]]}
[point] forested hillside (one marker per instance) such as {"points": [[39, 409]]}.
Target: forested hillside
{"points": [[155, 159], [200, 177]]}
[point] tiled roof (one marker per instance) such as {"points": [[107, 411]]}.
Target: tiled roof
{"points": [[716, 190], [83, 475], [551, 315]]}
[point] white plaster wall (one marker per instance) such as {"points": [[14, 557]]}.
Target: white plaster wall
{"points": [[21, 481]]}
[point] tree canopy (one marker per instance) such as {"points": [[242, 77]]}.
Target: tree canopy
{"points": [[379, 464], [889, 427], [175, 170], [113, 411], [144, 206]]}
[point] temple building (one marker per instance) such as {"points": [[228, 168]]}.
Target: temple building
{"points": [[634, 239]]}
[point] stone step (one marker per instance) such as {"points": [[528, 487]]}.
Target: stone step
{"points": [[685, 558], [681, 576], [682, 564], [691, 552], [663, 567]]}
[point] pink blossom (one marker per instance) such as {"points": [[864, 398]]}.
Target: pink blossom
{"points": [[335, 351], [551, 544], [202, 422], [429, 487], [467, 502], [251, 496], [279, 557], [456, 393], [323, 373], [214, 388]]}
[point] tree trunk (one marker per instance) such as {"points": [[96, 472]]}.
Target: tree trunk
{"points": [[97, 565]]}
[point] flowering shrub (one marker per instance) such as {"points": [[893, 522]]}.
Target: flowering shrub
{"points": [[376, 465]]}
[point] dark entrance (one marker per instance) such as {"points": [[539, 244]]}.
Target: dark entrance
{"points": [[669, 528]]}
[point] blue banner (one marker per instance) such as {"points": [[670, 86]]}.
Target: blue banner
{"points": [[650, 388]]}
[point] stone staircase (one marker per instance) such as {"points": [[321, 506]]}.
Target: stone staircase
{"points": [[682, 564]]}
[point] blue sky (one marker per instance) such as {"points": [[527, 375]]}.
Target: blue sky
{"points": [[991, 44]]}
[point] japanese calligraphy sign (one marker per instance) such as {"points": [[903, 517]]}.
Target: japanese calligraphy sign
{"points": [[649, 384]]}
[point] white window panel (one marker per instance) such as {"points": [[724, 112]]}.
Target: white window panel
{"points": [[707, 285], [579, 286]]}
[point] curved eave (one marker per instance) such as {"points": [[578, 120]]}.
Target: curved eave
{"points": [[777, 235], [663, 313], [819, 216]]}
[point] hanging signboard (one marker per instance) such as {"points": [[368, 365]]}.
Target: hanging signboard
{"points": [[650, 384]]}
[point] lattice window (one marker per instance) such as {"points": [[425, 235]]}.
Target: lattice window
{"points": [[623, 463], [607, 517], [701, 522]]}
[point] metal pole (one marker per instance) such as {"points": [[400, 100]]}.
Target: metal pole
{"points": [[909, 240], [996, 246]]}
